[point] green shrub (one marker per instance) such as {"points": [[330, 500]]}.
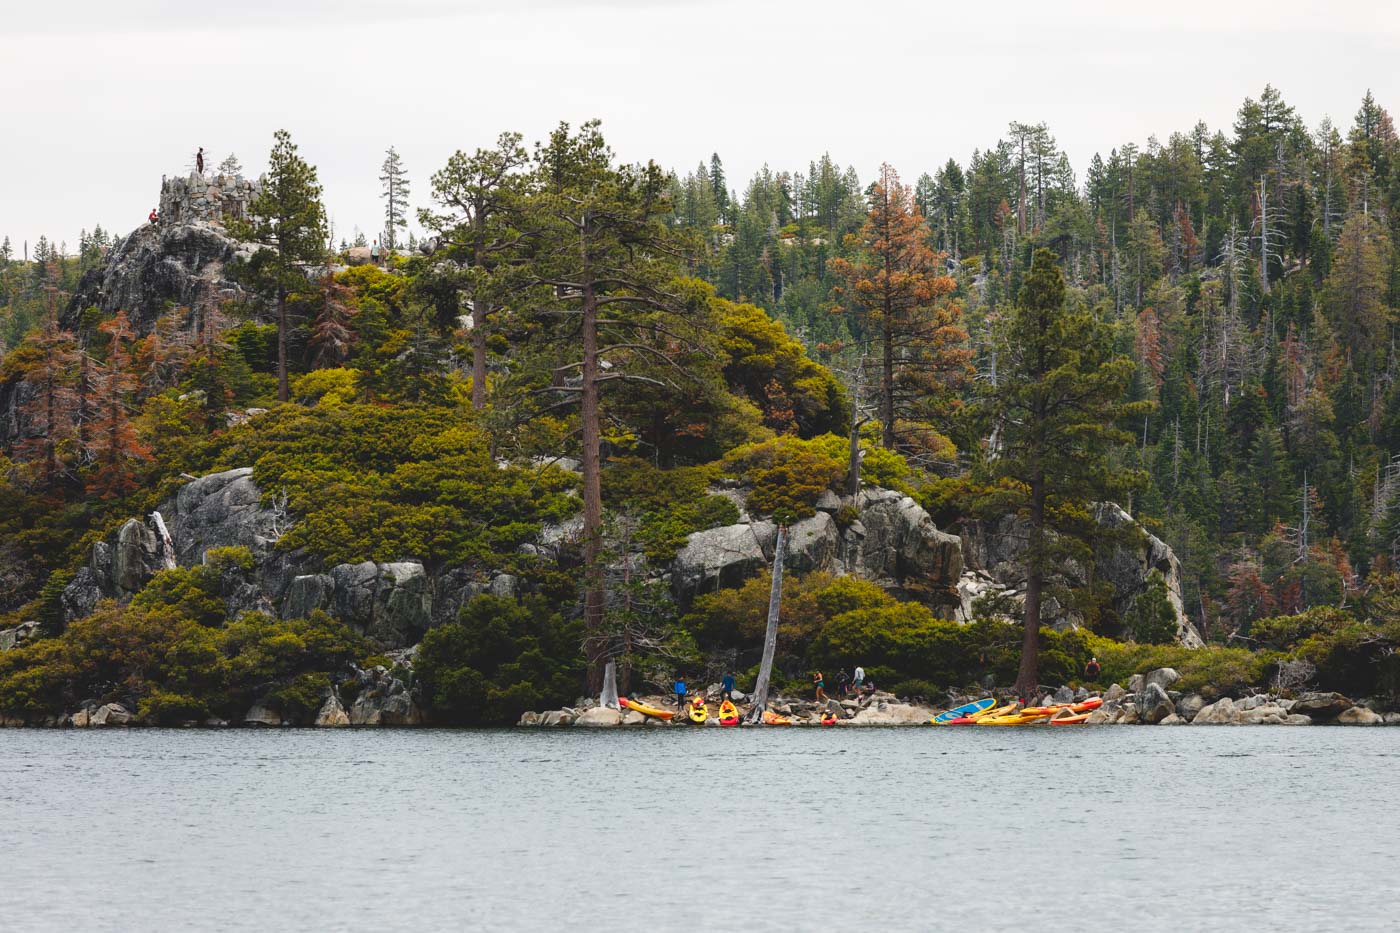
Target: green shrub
{"points": [[168, 709], [786, 474], [501, 658], [1152, 618], [1211, 671], [300, 699]]}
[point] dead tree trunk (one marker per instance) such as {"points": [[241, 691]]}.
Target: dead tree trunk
{"points": [[770, 636]]}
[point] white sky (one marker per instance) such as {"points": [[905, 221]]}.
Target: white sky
{"points": [[102, 97]]}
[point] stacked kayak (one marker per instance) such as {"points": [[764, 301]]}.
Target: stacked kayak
{"points": [[771, 718], [697, 712], [728, 714], [974, 718], [1062, 714], [645, 710], [828, 718]]}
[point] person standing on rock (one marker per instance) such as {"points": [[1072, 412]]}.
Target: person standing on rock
{"points": [[199, 161], [726, 686], [819, 682], [1091, 670], [679, 687], [858, 679]]}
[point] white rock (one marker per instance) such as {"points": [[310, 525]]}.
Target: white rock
{"points": [[599, 717], [1359, 716]]}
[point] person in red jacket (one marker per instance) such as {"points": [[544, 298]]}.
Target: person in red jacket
{"points": [[154, 218]]}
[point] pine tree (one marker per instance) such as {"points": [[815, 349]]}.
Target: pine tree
{"points": [[606, 263], [117, 449], [49, 406], [231, 165], [1055, 407], [720, 189], [1355, 289], [897, 284], [395, 182], [481, 196], [289, 219]]}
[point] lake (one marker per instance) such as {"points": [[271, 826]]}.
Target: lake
{"points": [[1189, 828]]}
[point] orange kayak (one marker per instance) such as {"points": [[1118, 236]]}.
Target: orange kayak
{"points": [[1071, 719]]}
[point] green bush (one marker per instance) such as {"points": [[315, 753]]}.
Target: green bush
{"points": [[175, 665], [501, 658], [365, 482], [786, 474], [1211, 671], [1152, 619]]}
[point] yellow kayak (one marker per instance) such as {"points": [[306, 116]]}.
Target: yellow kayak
{"points": [[728, 714], [1015, 719], [771, 718], [646, 710], [1000, 711], [698, 713]]}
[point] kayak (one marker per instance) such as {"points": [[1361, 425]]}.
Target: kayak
{"points": [[1086, 706], [1015, 719], [644, 709], [1069, 719], [828, 718], [771, 718], [728, 714], [972, 720], [698, 713], [967, 709]]}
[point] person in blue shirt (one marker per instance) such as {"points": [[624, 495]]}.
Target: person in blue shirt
{"points": [[680, 693], [726, 686]]}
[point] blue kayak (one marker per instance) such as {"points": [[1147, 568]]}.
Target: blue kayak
{"points": [[967, 709]]}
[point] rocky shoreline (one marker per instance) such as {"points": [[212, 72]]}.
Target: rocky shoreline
{"points": [[1148, 700], [380, 697]]}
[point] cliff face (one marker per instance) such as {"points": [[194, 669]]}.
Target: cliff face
{"points": [[156, 267], [892, 542]]}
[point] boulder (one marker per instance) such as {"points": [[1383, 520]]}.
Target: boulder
{"points": [[261, 714], [14, 637], [397, 709], [1104, 715], [599, 717], [1154, 705], [892, 714], [1124, 561], [1321, 705], [391, 602], [1297, 719], [1063, 695], [1164, 677], [1359, 716], [812, 544], [898, 546], [1392, 719], [358, 256], [1189, 705], [1221, 712], [557, 717], [1114, 693], [221, 510], [1172, 720], [721, 557], [1136, 682], [332, 713], [80, 719], [633, 718], [110, 714], [529, 718]]}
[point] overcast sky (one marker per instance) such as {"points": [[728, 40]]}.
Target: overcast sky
{"points": [[102, 97]]}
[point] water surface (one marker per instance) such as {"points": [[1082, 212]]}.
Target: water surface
{"points": [[690, 829]]}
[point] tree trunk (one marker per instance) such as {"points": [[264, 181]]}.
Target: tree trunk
{"points": [[591, 454], [770, 635], [853, 471], [1028, 678], [282, 393], [887, 389]]}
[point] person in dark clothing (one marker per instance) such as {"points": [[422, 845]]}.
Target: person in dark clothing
{"points": [[726, 686], [680, 693], [1091, 670], [199, 161], [843, 683]]}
